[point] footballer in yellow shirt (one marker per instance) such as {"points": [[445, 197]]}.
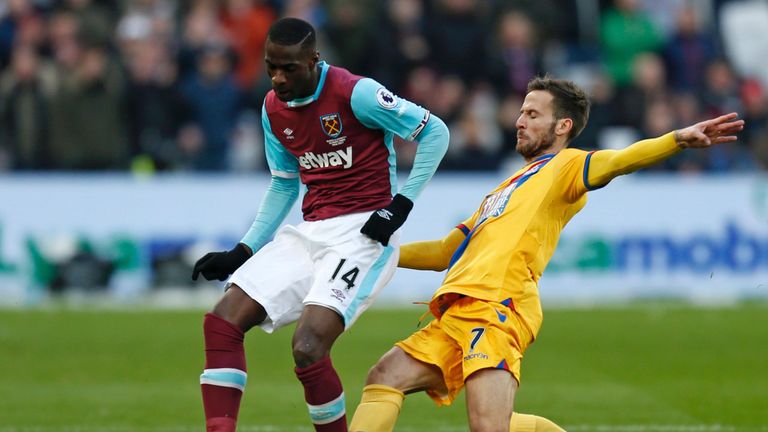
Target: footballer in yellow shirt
{"points": [[487, 310]]}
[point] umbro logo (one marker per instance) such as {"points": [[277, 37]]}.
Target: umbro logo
{"points": [[384, 213], [288, 133]]}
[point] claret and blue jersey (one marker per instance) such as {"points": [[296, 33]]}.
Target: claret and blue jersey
{"points": [[339, 142]]}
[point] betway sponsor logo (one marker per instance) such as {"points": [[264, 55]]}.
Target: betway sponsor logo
{"points": [[341, 158]]}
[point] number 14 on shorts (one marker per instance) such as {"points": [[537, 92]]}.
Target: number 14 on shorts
{"points": [[349, 276]]}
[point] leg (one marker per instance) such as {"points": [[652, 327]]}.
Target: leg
{"points": [[346, 278], [317, 330], [490, 397], [223, 381], [394, 375]]}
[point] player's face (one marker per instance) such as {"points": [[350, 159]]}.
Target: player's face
{"points": [[536, 125], [291, 69]]}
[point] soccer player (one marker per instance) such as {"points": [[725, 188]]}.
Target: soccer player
{"points": [[487, 311], [332, 131]]}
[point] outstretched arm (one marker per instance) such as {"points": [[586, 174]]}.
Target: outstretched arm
{"points": [[430, 255], [605, 165]]}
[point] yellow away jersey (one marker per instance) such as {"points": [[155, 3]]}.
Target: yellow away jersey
{"points": [[513, 234]]}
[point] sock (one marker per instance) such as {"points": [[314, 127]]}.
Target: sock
{"points": [[532, 423], [324, 396], [223, 380], [378, 410]]}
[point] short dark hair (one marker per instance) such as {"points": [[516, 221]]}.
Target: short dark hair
{"points": [[569, 101], [291, 31]]}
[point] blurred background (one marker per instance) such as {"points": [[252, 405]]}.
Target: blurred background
{"points": [[130, 137]]}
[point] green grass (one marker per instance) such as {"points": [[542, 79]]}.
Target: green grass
{"points": [[640, 368]]}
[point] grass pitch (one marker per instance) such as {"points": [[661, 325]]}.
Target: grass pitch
{"points": [[639, 368]]}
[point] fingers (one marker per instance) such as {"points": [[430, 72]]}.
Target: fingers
{"points": [[724, 139], [210, 275], [201, 264], [722, 119], [731, 127]]}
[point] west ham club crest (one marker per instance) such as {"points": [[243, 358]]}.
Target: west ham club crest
{"points": [[331, 124]]}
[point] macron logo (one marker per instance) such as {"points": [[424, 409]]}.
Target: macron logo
{"points": [[336, 158]]}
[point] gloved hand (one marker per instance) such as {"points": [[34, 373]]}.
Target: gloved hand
{"points": [[219, 265], [383, 223]]}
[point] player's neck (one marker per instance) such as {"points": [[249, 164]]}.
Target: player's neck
{"points": [[553, 149], [538, 155]]}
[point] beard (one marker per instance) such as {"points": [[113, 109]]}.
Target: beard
{"points": [[531, 149]]}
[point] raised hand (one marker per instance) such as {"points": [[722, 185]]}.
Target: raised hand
{"points": [[709, 132]]}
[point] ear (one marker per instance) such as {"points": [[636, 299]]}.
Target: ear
{"points": [[314, 60], [563, 126]]}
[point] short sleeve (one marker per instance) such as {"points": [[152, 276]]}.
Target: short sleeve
{"points": [[378, 108], [281, 162]]}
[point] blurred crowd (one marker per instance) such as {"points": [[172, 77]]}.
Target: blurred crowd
{"points": [[177, 85]]}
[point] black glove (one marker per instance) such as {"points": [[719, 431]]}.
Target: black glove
{"points": [[383, 223], [219, 265]]}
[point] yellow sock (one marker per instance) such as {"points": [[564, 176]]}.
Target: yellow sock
{"points": [[378, 410], [532, 423]]}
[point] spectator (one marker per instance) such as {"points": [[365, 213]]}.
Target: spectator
{"points": [[517, 58], [246, 23], [507, 114], [433, 52], [25, 91], [475, 137], [155, 109], [602, 113], [473, 152], [201, 28], [648, 85], [688, 51], [420, 86], [214, 101], [448, 98], [403, 48], [312, 11], [721, 88], [626, 32], [22, 25], [87, 129], [457, 34], [95, 22], [349, 33], [755, 133]]}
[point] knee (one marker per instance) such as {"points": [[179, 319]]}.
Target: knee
{"points": [[307, 350], [385, 373], [378, 374]]}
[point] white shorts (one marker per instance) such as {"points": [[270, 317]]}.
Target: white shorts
{"points": [[327, 263]]}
